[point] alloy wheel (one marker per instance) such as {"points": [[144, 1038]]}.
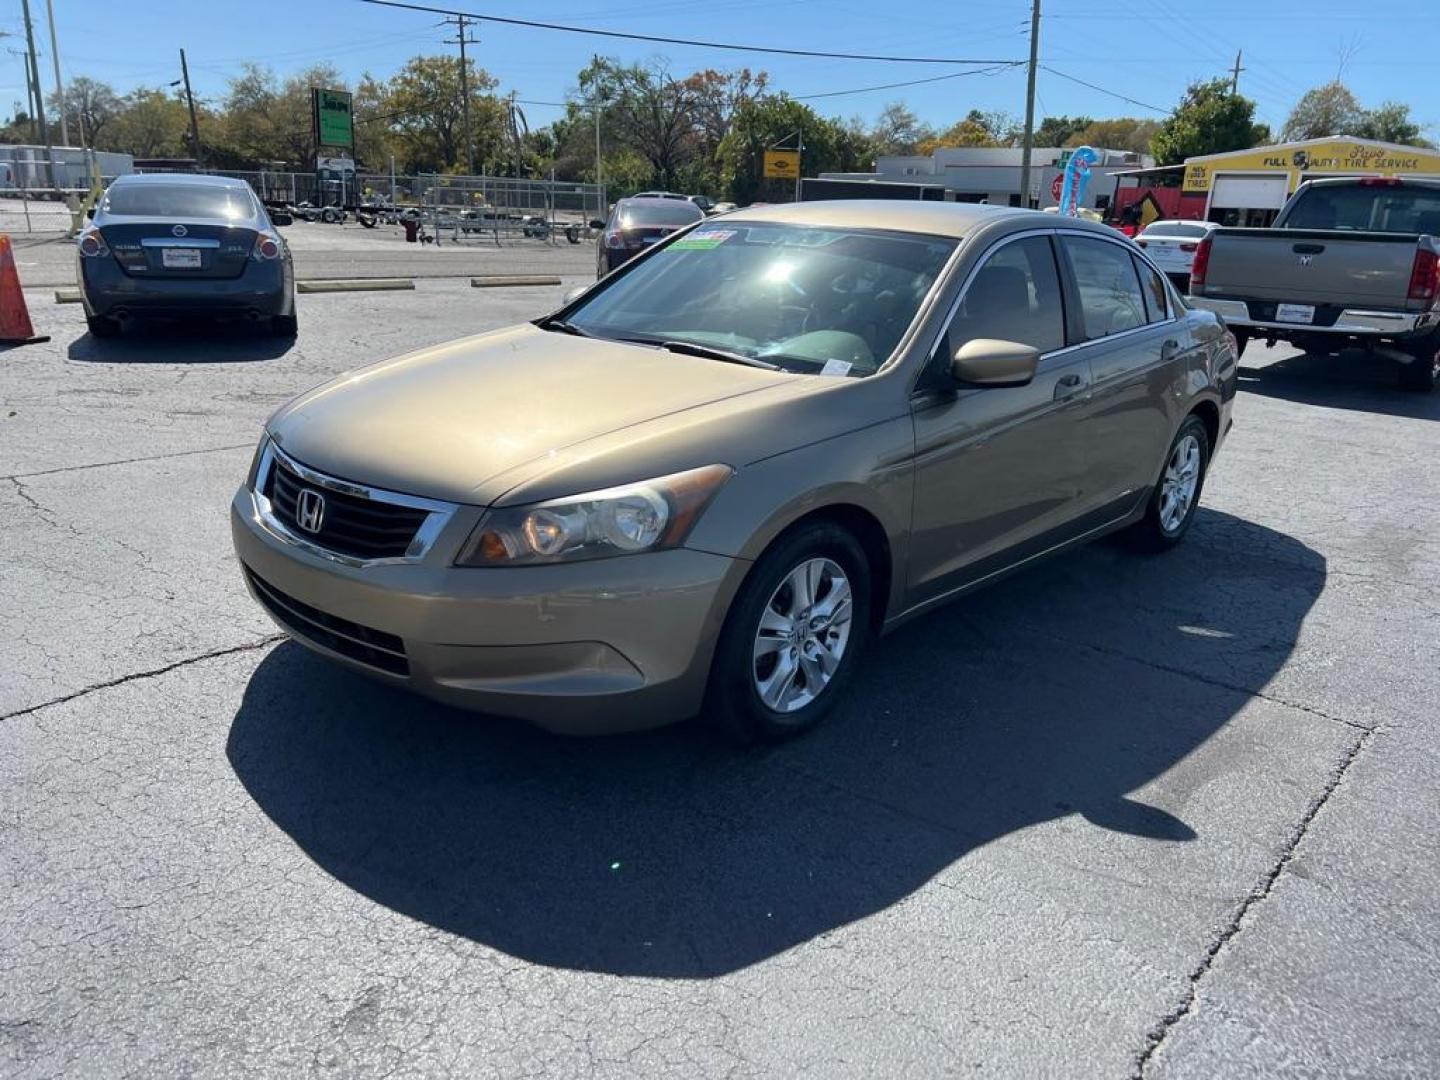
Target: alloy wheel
{"points": [[1177, 487], [803, 633]]}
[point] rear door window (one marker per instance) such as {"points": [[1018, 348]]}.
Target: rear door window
{"points": [[1111, 300], [1156, 295]]}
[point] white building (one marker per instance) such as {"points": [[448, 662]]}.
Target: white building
{"points": [[992, 174]]}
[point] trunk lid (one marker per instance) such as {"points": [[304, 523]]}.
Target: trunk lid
{"points": [[152, 249], [1311, 266]]}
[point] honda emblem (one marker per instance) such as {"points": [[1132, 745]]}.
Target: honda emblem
{"points": [[310, 510]]}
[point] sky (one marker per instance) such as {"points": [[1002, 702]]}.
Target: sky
{"points": [[1145, 51]]}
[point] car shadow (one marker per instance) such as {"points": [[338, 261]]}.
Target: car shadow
{"points": [[190, 341], [1059, 692], [1349, 380]]}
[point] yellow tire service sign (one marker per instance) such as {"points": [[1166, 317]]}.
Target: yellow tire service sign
{"points": [[782, 164]]}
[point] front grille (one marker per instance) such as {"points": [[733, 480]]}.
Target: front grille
{"points": [[360, 643], [351, 525]]}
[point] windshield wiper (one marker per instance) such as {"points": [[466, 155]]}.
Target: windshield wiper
{"points": [[709, 352], [563, 327]]}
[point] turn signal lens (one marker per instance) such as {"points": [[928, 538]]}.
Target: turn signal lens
{"points": [[1425, 277], [1201, 264], [648, 516]]}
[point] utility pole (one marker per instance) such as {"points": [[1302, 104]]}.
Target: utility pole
{"points": [[462, 40], [59, 86], [34, 73], [1235, 75], [190, 100], [599, 176], [1028, 146]]}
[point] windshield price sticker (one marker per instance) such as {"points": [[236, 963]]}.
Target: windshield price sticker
{"points": [[836, 367], [704, 241]]}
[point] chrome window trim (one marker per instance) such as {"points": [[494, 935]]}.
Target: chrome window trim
{"points": [[980, 261], [438, 517]]}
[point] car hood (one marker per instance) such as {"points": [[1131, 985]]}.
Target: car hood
{"points": [[461, 421]]}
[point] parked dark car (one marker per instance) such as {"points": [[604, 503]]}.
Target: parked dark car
{"points": [[637, 223], [174, 245]]}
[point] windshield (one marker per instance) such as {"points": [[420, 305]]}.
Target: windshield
{"points": [[1175, 229], [674, 213], [1368, 208], [812, 300], [180, 200]]}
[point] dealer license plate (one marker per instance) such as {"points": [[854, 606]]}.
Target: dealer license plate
{"points": [[180, 258], [1301, 313]]}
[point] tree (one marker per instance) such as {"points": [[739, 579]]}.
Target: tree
{"points": [[1123, 133], [977, 129], [1326, 110], [897, 130], [151, 124], [1391, 123], [830, 146], [1059, 130], [422, 107], [88, 106], [649, 112], [1208, 120]]}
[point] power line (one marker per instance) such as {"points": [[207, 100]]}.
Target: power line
{"points": [[991, 70], [772, 50], [1101, 89]]}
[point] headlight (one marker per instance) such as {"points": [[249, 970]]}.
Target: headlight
{"points": [[649, 516]]}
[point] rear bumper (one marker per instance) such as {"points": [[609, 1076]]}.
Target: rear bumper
{"points": [[1351, 322], [263, 289]]}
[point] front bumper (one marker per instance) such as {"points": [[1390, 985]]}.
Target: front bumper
{"points": [[1356, 322], [583, 648], [266, 288]]}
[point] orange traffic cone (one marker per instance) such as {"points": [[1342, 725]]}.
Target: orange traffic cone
{"points": [[15, 327]]}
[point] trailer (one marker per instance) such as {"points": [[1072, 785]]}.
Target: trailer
{"points": [[28, 168]]}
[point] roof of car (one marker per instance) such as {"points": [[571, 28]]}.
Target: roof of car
{"points": [[651, 200], [204, 179], [917, 216]]}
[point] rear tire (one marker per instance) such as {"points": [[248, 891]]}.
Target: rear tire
{"points": [[102, 326], [793, 637], [1423, 372], [286, 326], [1172, 504]]}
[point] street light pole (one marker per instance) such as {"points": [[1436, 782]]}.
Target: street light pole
{"points": [[1029, 144], [59, 86], [34, 74]]}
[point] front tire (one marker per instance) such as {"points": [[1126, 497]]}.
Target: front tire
{"points": [[1171, 509], [793, 638]]}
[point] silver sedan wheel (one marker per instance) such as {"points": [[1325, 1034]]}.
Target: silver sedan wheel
{"points": [[1177, 488], [802, 635]]}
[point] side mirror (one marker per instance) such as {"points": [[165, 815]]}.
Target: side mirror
{"points": [[575, 294], [991, 362], [281, 220], [596, 223]]}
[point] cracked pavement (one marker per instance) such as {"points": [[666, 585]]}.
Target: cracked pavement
{"points": [[1114, 817]]}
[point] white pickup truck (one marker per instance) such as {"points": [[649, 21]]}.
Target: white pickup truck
{"points": [[1348, 262]]}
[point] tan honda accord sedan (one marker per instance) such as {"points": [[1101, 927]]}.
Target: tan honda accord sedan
{"points": [[702, 486]]}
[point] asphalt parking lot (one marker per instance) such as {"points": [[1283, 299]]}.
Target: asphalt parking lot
{"points": [[1116, 817]]}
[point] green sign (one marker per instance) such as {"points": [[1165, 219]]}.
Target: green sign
{"points": [[333, 121]]}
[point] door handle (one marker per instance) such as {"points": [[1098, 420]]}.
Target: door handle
{"points": [[1067, 386]]}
